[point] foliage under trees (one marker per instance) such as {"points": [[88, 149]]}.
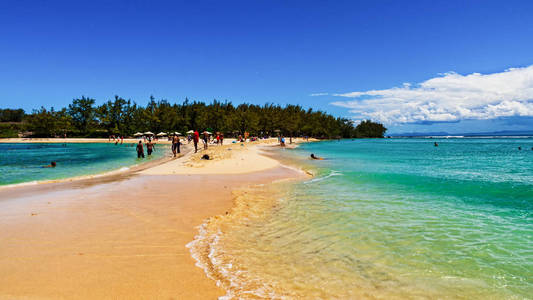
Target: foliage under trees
{"points": [[124, 117]]}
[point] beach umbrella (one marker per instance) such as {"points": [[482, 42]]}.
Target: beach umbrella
{"points": [[161, 134], [177, 133], [190, 131], [207, 132], [138, 134], [149, 133]]}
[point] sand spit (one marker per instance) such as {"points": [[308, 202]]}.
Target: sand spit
{"points": [[123, 236]]}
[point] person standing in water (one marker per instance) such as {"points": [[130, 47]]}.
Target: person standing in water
{"points": [[196, 138], [150, 147], [140, 150]]}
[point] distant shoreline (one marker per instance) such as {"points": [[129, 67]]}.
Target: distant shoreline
{"points": [[73, 140]]}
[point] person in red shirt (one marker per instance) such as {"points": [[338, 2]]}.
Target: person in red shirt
{"points": [[196, 139]]}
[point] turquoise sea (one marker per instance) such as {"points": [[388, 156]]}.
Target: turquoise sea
{"points": [[24, 162], [383, 219]]}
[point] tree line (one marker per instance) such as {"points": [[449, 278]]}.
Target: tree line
{"points": [[82, 118]]}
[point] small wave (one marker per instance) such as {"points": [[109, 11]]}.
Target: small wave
{"points": [[331, 174], [35, 182], [208, 250]]}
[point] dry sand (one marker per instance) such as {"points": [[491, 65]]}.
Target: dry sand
{"points": [[122, 237], [232, 158]]}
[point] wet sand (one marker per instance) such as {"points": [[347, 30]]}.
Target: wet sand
{"points": [[120, 239]]}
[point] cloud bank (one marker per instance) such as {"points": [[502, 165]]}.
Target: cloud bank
{"points": [[448, 98]]}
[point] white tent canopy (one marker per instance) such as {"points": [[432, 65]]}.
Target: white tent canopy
{"points": [[177, 133], [161, 134], [138, 134], [149, 133], [190, 131]]}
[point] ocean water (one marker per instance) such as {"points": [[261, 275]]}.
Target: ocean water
{"points": [[382, 219], [24, 162]]}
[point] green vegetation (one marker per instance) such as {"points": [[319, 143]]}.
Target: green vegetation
{"points": [[11, 115], [11, 122], [83, 118]]}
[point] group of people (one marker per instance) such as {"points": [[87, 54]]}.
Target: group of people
{"points": [[176, 143], [205, 139], [150, 147], [116, 139]]}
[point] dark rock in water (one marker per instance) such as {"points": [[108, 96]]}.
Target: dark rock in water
{"points": [[205, 156]]}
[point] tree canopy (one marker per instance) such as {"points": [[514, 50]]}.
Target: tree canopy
{"points": [[124, 117]]}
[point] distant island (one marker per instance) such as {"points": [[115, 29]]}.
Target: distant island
{"points": [[82, 118]]}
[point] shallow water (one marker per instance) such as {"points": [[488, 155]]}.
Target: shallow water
{"points": [[24, 162], [383, 219]]}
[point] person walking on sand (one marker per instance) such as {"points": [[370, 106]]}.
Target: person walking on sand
{"points": [[221, 138], [140, 150], [206, 139], [175, 145], [196, 138], [150, 147]]}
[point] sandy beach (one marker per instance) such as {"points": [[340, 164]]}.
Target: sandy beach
{"points": [[123, 236]]}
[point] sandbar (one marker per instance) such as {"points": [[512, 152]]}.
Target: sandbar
{"points": [[122, 237]]}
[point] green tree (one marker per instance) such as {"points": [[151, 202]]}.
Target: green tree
{"points": [[369, 129], [82, 113]]}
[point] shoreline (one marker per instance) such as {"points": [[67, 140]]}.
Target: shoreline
{"points": [[133, 216], [115, 172]]}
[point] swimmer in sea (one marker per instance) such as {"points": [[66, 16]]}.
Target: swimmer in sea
{"points": [[316, 157], [436, 145], [51, 165]]}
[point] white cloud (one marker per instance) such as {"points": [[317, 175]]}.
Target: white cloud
{"points": [[448, 98], [318, 94]]}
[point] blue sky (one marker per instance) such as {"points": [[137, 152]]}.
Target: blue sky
{"points": [[281, 52]]}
